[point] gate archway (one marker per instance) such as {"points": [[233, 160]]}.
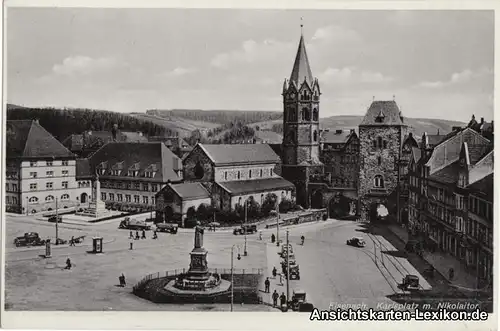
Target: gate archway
{"points": [[317, 200], [83, 198]]}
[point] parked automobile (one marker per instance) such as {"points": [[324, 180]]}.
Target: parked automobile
{"points": [[249, 229], [298, 299], [285, 249], [294, 271], [167, 227], [29, 239], [356, 242], [54, 219], [410, 283], [133, 224]]}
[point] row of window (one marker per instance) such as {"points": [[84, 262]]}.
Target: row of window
{"points": [[48, 186], [34, 174], [292, 137], [128, 198], [305, 115], [130, 186], [47, 163], [342, 182], [250, 173], [49, 198], [349, 159], [130, 173], [262, 197], [481, 208], [379, 143], [9, 186], [11, 200], [84, 184]]}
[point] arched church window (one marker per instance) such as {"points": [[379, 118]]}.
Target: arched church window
{"points": [[385, 143], [199, 171], [291, 137], [315, 114], [378, 181], [307, 114], [315, 135], [379, 160], [305, 96], [379, 142]]}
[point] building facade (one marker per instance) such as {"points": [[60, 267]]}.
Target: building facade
{"points": [[132, 173], [40, 171]]}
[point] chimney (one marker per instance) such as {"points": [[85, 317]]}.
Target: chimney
{"points": [[482, 120], [352, 131]]}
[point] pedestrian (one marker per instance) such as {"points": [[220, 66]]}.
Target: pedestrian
{"points": [[267, 284], [143, 234], [131, 236], [137, 235], [155, 236], [275, 298], [131, 245], [283, 299], [274, 272], [124, 283], [72, 241], [451, 274], [68, 264], [273, 238], [260, 235], [281, 279]]}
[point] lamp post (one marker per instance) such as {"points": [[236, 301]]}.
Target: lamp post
{"points": [[57, 227], [287, 268], [27, 208], [277, 224], [245, 253], [232, 268]]}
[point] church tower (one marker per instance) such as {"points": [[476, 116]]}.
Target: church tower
{"points": [[301, 135]]}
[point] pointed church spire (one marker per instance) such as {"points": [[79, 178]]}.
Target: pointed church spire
{"points": [[301, 70]]}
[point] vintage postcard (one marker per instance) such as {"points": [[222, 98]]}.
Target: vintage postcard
{"points": [[248, 168]]}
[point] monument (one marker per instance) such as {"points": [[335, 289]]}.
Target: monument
{"points": [[198, 284], [97, 207]]}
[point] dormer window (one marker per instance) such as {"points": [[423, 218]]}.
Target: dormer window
{"points": [[380, 117], [116, 172], [102, 171]]}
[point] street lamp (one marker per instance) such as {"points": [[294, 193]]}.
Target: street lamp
{"points": [[245, 253], [277, 224], [232, 280]]}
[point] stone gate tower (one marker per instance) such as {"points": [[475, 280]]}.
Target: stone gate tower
{"points": [[300, 146], [381, 135]]}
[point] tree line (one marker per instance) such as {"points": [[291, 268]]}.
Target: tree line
{"points": [[63, 122]]}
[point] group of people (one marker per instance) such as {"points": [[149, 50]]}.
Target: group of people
{"points": [[282, 298], [143, 236]]}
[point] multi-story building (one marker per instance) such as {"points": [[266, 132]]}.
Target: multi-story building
{"points": [[132, 173], [234, 173], [41, 172], [440, 179]]}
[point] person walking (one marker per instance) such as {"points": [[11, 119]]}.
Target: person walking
{"points": [[72, 241], [274, 272], [143, 234], [68, 264], [131, 236], [155, 236], [273, 238], [281, 279], [267, 284], [137, 235], [275, 298], [282, 299]]}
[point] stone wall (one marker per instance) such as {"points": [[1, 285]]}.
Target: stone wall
{"points": [[378, 161], [343, 165], [190, 163]]}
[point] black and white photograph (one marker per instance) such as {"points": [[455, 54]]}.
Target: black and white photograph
{"points": [[325, 164]]}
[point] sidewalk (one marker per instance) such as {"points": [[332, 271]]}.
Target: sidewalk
{"points": [[273, 260], [442, 262]]}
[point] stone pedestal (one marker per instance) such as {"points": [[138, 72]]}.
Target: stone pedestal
{"points": [[198, 268]]}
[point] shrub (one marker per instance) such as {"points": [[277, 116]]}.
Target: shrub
{"points": [[325, 217], [203, 212], [191, 212], [269, 203]]}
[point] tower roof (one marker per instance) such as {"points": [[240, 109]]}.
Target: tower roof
{"points": [[301, 69]]}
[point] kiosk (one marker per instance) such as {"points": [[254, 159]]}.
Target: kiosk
{"points": [[97, 245]]}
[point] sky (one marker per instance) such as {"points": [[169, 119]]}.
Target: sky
{"points": [[435, 64]]}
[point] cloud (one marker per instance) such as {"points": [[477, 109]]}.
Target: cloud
{"points": [[351, 75], [336, 34], [180, 71], [457, 78], [84, 65]]}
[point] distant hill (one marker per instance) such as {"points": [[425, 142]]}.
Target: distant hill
{"points": [[418, 125], [184, 126], [63, 122]]}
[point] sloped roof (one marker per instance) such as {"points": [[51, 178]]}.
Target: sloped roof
{"points": [[435, 139], [483, 186], [333, 137], [83, 169], [176, 142], [269, 137], [417, 153], [240, 153], [256, 185], [477, 152], [144, 154], [389, 109], [28, 139], [189, 191], [448, 174], [301, 68], [487, 126], [277, 148]]}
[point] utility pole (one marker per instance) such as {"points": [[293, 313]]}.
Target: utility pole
{"points": [[277, 224], [27, 207], [232, 283], [245, 253], [287, 268], [57, 224]]}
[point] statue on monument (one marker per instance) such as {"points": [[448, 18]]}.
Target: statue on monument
{"points": [[198, 237]]}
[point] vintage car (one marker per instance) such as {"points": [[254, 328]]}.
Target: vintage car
{"points": [[249, 229], [133, 224], [356, 242], [294, 272], [29, 239], [285, 249], [410, 283], [298, 298], [167, 227], [54, 219], [60, 241]]}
